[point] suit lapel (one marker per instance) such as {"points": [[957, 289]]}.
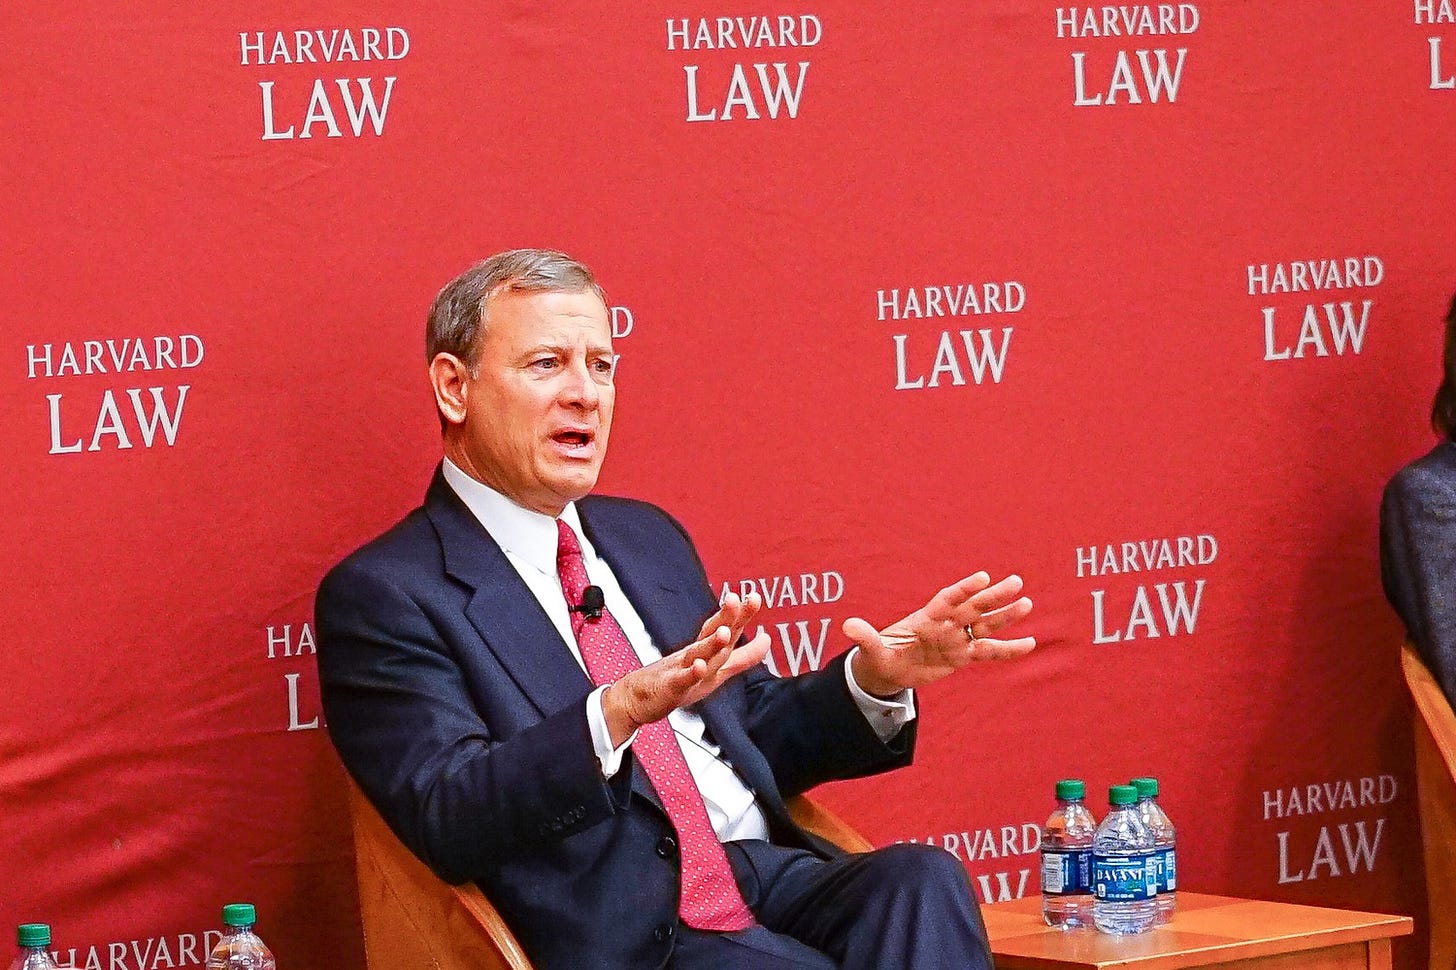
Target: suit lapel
{"points": [[517, 631], [667, 609], [503, 610]]}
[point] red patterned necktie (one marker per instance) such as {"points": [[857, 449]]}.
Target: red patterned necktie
{"points": [[709, 899]]}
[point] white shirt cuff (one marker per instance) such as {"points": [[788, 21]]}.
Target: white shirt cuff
{"points": [[596, 721], [887, 717]]}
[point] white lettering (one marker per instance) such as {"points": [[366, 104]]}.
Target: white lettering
{"points": [[676, 33], [1127, 21], [1177, 612], [56, 447], [367, 106], [902, 382], [988, 357], [148, 424], [294, 724], [776, 94], [269, 132], [1428, 12], [1159, 80], [256, 48], [46, 359], [320, 112], [1339, 320], [315, 45], [285, 641], [108, 421], [1003, 891], [691, 70], [807, 650]]}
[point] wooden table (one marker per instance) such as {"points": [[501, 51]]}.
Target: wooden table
{"points": [[1205, 931]]}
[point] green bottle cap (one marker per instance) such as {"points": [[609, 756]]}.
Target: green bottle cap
{"points": [[34, 934], [239, 914], [1146, 787], [1122, 794], [1069, 788]]}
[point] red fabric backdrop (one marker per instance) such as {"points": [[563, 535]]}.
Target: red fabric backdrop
{"points": [[937, 287]]}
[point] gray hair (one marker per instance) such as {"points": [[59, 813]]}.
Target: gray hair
{"points": [[458, 316]]}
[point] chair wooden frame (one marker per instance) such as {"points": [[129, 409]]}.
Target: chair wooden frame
{"points": [[415, 921], [1435, 742], [412, 919]]}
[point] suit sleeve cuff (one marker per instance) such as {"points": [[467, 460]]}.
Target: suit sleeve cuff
{"points": [[609, 757], [887, 717]]}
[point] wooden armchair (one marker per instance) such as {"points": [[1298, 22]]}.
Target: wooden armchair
{"points": [[1435, 732], [414, 921]]}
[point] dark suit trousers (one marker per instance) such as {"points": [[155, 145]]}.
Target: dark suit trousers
{"points": [[903, 906]]}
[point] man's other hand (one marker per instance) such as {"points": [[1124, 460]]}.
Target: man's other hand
{"points": [[956, 627]]}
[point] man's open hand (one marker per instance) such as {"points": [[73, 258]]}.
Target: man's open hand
{"points": [[686, 676], [953, 629]]}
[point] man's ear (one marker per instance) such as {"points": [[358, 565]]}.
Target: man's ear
{"points": [[449, 377]]}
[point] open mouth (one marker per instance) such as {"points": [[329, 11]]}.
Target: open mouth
{"points": [[572, 438]]}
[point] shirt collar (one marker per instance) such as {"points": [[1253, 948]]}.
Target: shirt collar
{"points": [[519, 531]]}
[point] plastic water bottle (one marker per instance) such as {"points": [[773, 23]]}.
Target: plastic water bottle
{"points": [[1066, 859], [240, 948], [34, 940], [1122, 853], [1165, 845]]}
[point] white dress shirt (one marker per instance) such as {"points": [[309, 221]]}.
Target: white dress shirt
{"points": [[529, 541]]}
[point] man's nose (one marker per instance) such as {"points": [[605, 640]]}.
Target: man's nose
{"points": [[580, 387]]}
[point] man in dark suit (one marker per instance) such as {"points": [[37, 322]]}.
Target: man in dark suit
{"points": [[1418, 534], [540, 693]]}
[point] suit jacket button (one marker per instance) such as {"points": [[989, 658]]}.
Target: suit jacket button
{"points": [[663, 933], [667, 846]]}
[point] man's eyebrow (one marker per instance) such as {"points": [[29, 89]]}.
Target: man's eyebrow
{"points": [[545, 346], [563, 350]]}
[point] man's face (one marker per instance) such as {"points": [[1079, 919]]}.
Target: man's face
{"points": [[538, 414]]}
